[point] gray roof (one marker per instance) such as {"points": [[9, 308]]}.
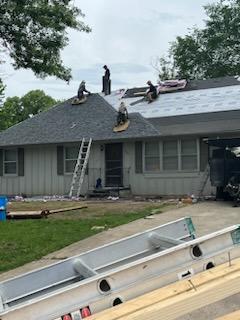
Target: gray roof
{"points": [[202, 124], [70, 123]]}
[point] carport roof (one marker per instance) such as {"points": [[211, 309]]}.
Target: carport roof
{"points": [[223, 143]]}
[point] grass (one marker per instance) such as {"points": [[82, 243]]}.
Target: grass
{"points": [[23, 241]]}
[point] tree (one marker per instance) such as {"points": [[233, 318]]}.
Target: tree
{"points": [[1, 92], [164, 67], [213, 51], [15, 109], [34, 32]]}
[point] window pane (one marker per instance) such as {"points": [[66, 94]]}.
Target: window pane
{"points": [[70, 165], [170, 148], [10, 168], [189, 162], [170, 163], [152, 164], [152, 149], [189, 146], [71, 152], [10, 155]]}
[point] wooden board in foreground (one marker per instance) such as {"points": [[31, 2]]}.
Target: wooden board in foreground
{"points": [[40, 214], [179, 298], [77, 101], [121, 127], [231, 316]]}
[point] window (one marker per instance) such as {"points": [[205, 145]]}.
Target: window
{"points": [[152, 156], [170, 155], [10, 162], [71, 155], [189, 154], [174, 155]]}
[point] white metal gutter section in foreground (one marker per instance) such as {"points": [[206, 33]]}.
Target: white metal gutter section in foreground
{"points": [[126, 281]]}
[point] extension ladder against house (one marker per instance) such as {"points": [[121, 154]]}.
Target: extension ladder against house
{"points": [[114, 273], [80, 168]]}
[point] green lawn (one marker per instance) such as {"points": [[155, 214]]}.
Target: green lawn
{"points": [[23, 241]]}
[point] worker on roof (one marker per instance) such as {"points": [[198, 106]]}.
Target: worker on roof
{"points": [[122, 114], [151, 92], [81, 90], [106, 82]]}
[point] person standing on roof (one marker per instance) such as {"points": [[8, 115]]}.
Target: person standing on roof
{"points": [[81, 90], [106, 83], [122, 114], [152, 92]]}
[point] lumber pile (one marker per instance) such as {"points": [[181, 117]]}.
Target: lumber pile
{"points": [[40, 213], [180, 298]]}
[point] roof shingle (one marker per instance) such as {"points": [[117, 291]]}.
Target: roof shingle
{"points": [[70, 123]]}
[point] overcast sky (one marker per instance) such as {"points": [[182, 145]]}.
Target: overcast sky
{"points": [[126, 35]]}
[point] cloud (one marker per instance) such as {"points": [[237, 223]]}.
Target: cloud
{"points": [[125, 35]]}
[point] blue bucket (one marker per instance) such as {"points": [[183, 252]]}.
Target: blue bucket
{"points": [[3, 208]]}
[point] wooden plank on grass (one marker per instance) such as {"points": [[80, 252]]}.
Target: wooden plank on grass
{"points": [[67, 209], [40, 214]]}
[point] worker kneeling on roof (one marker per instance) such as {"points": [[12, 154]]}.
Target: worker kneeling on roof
{"points": [[122, 114], [151, 92], [81, 90]]}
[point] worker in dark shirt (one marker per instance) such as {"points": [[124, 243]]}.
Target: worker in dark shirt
{"points": [[107, 72], [106, 81], [152, 92]]}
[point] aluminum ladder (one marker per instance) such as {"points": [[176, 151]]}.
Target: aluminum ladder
{"points": [[116, 272], [203, 181], [80, 168]]}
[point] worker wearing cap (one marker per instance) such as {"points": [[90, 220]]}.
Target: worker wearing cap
{"points": [[152, 92], [122, 113], [81, 90], [106, 81]]}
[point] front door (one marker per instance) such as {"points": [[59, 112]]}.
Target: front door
{"points": [[113, 165]]}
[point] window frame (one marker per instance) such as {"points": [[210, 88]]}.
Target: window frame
{"points": [[7, 161], [144, 158], [65, 160], [197, 155], [179, 157]]}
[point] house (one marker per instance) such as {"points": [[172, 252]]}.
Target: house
{"points": [[161, 153]]}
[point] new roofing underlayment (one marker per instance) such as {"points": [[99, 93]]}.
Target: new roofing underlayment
{"points": [[182, 102]]}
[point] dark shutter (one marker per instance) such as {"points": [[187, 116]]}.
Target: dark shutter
{"points": [[60, 160], [21, 162], [138, 157], [1, 162]]}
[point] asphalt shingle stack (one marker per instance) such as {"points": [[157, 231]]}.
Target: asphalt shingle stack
{"points": [[69, 123]]}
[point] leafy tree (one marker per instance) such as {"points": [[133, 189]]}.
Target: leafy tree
{"points": [[15, 109], [34, 32], [164, 67], [213, 51], [1, 91]]}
